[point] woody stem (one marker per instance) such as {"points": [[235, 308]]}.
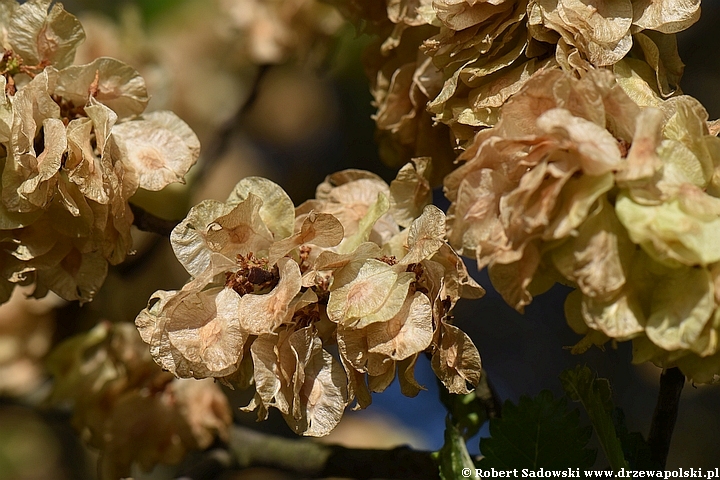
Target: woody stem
{"points": [[249, 448], [147, 222], [666, 410]]}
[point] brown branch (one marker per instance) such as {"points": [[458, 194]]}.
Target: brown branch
{"points": [[147, 222], [310, 459], [213, 464], [226, 131], [666, 410]]}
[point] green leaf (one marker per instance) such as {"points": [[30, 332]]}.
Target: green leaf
{"points": [[635, 447], [453, 456], [537, 432], [582, 385]]}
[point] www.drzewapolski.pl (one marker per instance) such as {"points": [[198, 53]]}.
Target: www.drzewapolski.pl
{"points": [[577, 473]]}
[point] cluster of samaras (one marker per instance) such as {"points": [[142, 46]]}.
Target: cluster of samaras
{"points": [[580, 160], [316, 305], [74, 146]]}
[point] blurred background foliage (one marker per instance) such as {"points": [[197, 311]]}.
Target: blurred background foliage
{"points": [[311, 117]]}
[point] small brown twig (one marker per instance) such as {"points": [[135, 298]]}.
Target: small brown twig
{"points": [[488, 397], [224, 135], [147, 222]]}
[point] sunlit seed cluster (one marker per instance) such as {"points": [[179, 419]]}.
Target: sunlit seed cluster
{"points": [[551, 194], [317, 305], [441, 70], [580, 160], [74, 147]]}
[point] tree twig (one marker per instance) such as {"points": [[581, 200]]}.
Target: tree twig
{"points": [[147, 222], [212, 465], [489, 398], [225, 133], [249, 448], [666, 410]]}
